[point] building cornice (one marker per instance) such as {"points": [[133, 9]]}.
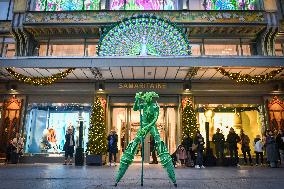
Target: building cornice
{"points": [[138, 61]]}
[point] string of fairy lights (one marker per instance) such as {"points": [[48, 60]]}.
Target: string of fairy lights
{"points": [[97, 143], [248, 79], [39, 81], [189, 121]]}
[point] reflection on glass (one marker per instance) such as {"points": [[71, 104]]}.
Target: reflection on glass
{"points": [[144, 5], [278, 49], [42, 50], [66, 50], [10, 50], [246, 50], [195, 49], [66, 5], [221, 50], [91, 50], [230, 4]]}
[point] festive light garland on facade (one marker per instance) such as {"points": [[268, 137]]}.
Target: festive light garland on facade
{"points": [[228, 109], [144, 35], [247, 79], [39, 81]]}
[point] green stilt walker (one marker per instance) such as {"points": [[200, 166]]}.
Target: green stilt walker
{"points": [[150, 116]]}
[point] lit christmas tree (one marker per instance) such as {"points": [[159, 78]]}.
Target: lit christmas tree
{"points": [[189, 121], [97, 137]]}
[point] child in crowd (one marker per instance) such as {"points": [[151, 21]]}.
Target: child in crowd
{"points": [[258, 149]]}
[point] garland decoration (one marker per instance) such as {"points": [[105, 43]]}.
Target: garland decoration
{"points": [[39, 81], [247, 79], [228, 109]]}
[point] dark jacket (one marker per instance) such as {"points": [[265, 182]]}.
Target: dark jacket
{"points": [[67, 142], [280, 142], [219, 140], [245, 142], [187, 143], [112, 147], [232, 140], [199, 140], [271, 149]]}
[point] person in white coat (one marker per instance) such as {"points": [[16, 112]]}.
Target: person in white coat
{"points": [[258, 149]]}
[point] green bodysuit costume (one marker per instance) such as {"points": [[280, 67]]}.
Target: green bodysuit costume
{"points": [[150, 116]]}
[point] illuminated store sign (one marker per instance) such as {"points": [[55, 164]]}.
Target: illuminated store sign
{"points": [[142, 85]]}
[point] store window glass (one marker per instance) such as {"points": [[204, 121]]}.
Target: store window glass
{"points": [[220, 49], [230, 4], [66, 50], [42, 50], [279, 49], [4, 7], [246, 50], [66, 5], [7, 47], [9, 50], [47, 123], [195, 49], [91, 49], [1, 46], [10, 16], [144, 5]]}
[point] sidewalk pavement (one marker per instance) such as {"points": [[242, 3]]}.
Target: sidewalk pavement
{"points": [[57, 176]]}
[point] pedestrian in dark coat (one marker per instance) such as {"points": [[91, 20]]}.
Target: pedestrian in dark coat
{"points": [[112, 146], [187, 143], [232, 141], [69, 145], [271, 149], [280, 145], [199, 141], [219, 141], [245, 147], [10, 148]]}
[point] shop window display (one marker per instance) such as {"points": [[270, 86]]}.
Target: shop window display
{"points": [[47, 124], [248, 119]]}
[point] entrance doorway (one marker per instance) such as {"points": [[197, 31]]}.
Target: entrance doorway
{"points": [[126, 122]]}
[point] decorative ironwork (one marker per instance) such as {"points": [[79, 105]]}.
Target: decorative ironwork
{"points": [[179, 17]]}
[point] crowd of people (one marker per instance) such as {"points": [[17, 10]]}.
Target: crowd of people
{"points": [[191, 151], [268, 150]]}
